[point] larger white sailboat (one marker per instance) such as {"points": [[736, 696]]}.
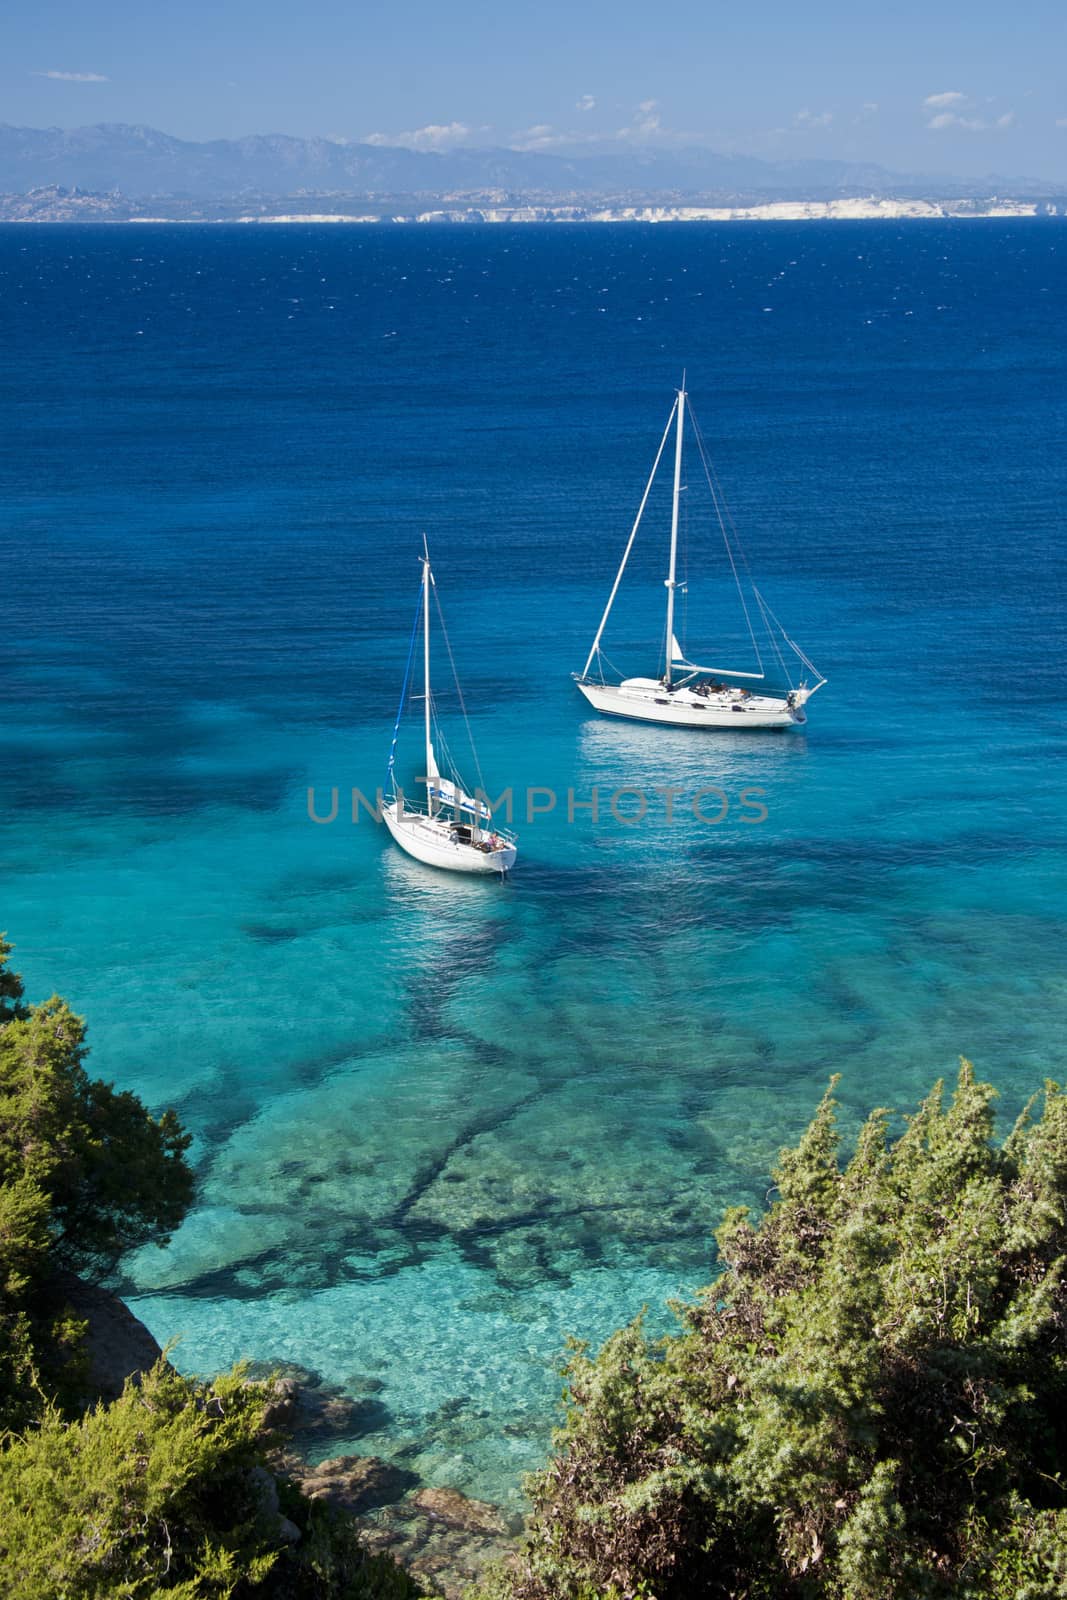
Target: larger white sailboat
{"points": [[454, 829], [686, 695]]}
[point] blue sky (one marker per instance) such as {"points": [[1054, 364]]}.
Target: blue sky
{"points": [[972, 89]]}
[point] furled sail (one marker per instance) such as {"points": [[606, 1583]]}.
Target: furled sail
{"points": [[442, 789]]}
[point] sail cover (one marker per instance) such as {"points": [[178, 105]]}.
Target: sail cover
{"points": [[679, 659], [445, 791]]}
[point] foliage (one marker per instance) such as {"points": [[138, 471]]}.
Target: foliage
{"points": [[10, 985], [111, 1176], [869, 1403], [85, 1174], [166, 1491], [162, 1492]]}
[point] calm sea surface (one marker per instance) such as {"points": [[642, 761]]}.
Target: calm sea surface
{"points": [[440, 1125]]}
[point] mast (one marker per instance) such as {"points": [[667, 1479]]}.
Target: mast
{"points": [[431, 766], [671, 584]]}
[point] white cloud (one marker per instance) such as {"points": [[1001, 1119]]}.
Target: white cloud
{"points": [[810, 120], [542, 136], [73, 77], [586, 103], [645, 128], [1061, 122], [435, 136], [965, 116], [645, 125], [949, 119]]}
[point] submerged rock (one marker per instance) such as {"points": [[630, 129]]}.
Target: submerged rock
{"points": [[355, 1483], [443, 1539], [313, 1412], [472, 1516]]}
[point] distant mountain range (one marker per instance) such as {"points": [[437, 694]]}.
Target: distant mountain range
{"points": [[143, 162]]}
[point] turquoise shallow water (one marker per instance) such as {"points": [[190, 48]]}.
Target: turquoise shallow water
{"points": [[439, 1126]]}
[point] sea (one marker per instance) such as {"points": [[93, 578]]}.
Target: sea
{"points": [[442, 1126]]}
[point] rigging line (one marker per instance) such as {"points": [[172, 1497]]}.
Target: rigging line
{"points": [[629, 543], [448, 761], [743, 554], [445, 754], [459, 690], [404, 689], [790, 642], [715, 500], [765, 610], [685, 568], [447, 765], [771, 635]]}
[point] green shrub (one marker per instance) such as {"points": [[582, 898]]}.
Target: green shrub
{"points": [[164, 1492], [870, 1402], [85, 1174], [106, 1175]]}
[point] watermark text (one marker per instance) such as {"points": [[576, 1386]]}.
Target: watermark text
{"points": [[628, 805]]}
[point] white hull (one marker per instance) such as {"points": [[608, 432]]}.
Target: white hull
{"points": [[645, 700], [434, 841]]}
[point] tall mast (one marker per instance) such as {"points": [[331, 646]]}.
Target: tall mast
{"points": [[431, 769], [671, 585]]}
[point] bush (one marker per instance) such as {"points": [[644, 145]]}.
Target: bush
{"points": [[869, 1403], [164, 1492], [108, 1175], [85, 1174]]}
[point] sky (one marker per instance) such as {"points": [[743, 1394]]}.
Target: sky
{"points": [[970, 89]]}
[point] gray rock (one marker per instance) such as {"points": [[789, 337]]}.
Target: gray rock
{"points": [[265, 1490], [118, 1346], [459, 1511], [357, 1483]]}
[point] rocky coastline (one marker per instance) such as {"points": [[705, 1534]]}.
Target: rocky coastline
{"points": [[445, 1539], [56, 203]]}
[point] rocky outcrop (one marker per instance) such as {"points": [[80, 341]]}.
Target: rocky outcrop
{"points": [[442, 1538], [355, 1483], [455, 1510], [312, 1412], [116, 1344]]}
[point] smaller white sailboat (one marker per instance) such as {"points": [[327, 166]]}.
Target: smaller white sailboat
{"points": [[687, 695], [455, 829]]}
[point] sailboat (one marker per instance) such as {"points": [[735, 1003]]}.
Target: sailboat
{"points": [[454, 829], [687, 695]]}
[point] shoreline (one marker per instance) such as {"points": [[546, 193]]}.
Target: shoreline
{"points": [[53, 207]]}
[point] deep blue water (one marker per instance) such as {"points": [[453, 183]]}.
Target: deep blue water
{"points": [[441, 1125]]}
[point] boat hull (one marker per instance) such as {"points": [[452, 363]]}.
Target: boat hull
{"points": [[430, 840], [644, 700]]}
